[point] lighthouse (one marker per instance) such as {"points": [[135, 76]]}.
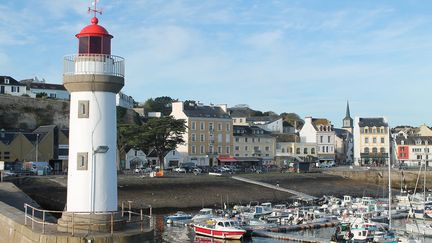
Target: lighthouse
{"points": [[93, 77]]}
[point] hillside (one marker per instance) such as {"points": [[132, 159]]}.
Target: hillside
{"points": [[25, 113]]}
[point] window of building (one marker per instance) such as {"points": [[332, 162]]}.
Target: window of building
{"points": [[236, 148], [382, 130], [374, 150], [382, 140], [365, 130], [83, 109], [236, 155], [219, 138], [366, 150], [256, 148], [202, 137], [298, 151], [366, 140], [228, 127], [211, 126], [245, 148], [82, 161], [382, 150], [193, 137], [193, 125], [374, 140], [202, 149], [305, 151], [6, 81], [202, 126], [228, 150], [267, 148], [312, 151], [237, 139], [327, 149], [219, 149], [246, 140], [227, 138], [290, 150], [219, 126], [253, 140], [193, 149], [328, 139], [259, 140], [283, 150], [321, 139]]}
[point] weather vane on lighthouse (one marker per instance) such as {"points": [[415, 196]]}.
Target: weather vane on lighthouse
{"points": [[94, 8]]}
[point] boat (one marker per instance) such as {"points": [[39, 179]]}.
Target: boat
{"points": [[179, 216], [220, 228], [203, 215]]}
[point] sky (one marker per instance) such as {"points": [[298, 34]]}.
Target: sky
{"points": [[302, 56]]}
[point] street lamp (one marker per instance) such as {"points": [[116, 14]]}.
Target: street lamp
{"points": [[102, 149]]}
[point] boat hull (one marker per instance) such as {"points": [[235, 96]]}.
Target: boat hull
{"points": [[221, 234]]}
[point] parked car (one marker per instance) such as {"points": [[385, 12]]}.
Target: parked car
{"points": [[197, 170], [180, 170], [8, 173]]}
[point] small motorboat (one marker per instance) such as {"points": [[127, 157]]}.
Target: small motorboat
{"points": [[203, 215], [179, 216], [220, 228]]}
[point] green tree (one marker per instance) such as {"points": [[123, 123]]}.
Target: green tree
{"points": [[292, 119], [158, 134], [160, 104]]}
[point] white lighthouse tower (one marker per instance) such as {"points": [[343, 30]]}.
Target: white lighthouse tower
{"points": [[93, 77]]}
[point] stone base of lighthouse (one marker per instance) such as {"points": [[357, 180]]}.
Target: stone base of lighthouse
{"points": [[90, 223]]}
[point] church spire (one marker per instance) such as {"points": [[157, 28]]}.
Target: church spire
{"points": [[348, 115]]}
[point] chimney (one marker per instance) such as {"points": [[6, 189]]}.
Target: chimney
{"points": [[308, 119], [177, 106], [223, 107]]}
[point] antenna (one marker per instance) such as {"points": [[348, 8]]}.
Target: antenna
{"points": [[94, 8]]}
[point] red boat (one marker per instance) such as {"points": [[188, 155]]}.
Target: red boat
{"points": [[220, 228]]}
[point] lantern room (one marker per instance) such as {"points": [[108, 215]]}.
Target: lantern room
{"points": [[94, 39]]}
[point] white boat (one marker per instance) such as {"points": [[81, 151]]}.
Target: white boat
{"points": [[203, 215], [422, 227], [220, 228], [179, 216]]}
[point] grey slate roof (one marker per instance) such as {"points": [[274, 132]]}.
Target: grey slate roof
{"points": [[205, 111], [250, 131], [12, 81], [413, 139], [34, 85], [240, 111], [263, 119], [372, 122], [342, 133], [7, 137]]}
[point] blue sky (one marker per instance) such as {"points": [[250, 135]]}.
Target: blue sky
{"points": [[304, 56]]}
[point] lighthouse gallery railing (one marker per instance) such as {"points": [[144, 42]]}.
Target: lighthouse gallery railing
{"points": [[94, 64]]}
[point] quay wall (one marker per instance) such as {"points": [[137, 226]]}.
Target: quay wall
{"points": [[380, 176]]}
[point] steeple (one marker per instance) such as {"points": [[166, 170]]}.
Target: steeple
{"points": [[347, 121], [348, 115]]}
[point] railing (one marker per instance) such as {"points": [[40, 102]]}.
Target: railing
{"points": [[94, 64], [41, 217]]}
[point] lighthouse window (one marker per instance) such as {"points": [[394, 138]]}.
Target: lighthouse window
{"points": [[82, 161], [106, 46], [83, 109], [83, 45], [95, 44]]}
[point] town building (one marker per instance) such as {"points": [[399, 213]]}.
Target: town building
{"points": [[371, 141], [124, 100], [253, 144], [273, 124], [239, 114], [54, 91], [343, 146], [44, 144], [414, 150], [135, 158], [9, 85], [319, 131], [290, 149], [209, 132]]}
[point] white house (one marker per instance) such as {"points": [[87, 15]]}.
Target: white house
{"points": [[9, 85], [55, 91], [135, 159], [321, 132], [173, 159], [269, 123], [125, 101]]}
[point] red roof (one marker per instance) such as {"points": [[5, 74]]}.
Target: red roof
{"points": [[93, 29]]}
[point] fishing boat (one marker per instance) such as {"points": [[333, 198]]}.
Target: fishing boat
{"points": [[220, 228], [179, 216]]}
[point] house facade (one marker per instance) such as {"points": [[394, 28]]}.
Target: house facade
{"points": [[273, 124], [135, 158], [209, 132], [254, 143], [9, 85], [414, 150], [320, 132], [371, 141], [54, 91]]}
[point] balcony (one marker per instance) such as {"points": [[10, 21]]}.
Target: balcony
{"points": [[102, 64]]}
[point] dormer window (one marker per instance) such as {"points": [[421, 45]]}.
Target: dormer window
{"points": [[6, 81]]}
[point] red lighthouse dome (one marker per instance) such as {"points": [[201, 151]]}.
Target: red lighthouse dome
{"points": [[94, 39]]}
